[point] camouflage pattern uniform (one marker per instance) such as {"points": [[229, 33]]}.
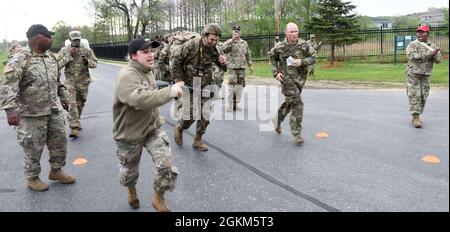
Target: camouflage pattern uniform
{"points": [[195, 60], [237, 53], [163, 63], [316, 47], [218, 73], [34, 91], [77, 80], [418, 73], [294, 79], [137, 124]]}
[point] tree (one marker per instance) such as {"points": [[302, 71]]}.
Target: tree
{"points": [[365, 22], [61, 30], [335, 24], [405, 21]]}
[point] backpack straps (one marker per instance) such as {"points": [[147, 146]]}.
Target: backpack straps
{"points": [[27, 65]]}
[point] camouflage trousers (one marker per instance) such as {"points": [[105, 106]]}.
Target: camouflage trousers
{"points": [[157, 145], [292, 88], [311, 70], [34, 133], [236, 84], [417, 89], [200, 112], [77, 98], [218, 77]]}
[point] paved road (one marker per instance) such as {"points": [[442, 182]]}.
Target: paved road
{"points": [[371, 161]]}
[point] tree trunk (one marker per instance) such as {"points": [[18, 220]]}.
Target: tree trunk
{"points": [[333, 48]]}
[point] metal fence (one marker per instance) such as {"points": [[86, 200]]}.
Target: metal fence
{"points": [[376, 45]]}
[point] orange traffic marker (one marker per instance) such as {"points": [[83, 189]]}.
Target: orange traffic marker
{"points": [[431, 159], [80, 161], [322, 135]]}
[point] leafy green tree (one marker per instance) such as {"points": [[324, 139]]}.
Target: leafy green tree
{"points": [[61, 30], [334, 24], [405, 21], [365, 22]]}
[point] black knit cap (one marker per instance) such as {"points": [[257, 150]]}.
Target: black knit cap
{"points": [[39, 29], [141, 43]]}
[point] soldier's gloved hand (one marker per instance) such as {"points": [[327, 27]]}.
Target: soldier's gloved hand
{"points": [[435, 52], [297, 63], [176, 90], [85, 60], [73, 51], [65, 104], [13, 118], [222, 60]]}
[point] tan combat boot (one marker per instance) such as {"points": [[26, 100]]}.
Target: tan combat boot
{"points": [[276, 125], [299, 140], [133, 200], [59, 175], [198, 143], [416, 121], [74, 132], [178, 131], [158, 202], [37, 185]]}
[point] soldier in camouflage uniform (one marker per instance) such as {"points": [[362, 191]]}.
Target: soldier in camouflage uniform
{"points": [[193, 63], [238, 53], [138, 124], [312, 42], [77, 60], [34, 102], [421, 55], [163, 61], [290, 60]]}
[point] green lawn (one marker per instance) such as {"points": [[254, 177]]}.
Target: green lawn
{"points": [[355, 72]]}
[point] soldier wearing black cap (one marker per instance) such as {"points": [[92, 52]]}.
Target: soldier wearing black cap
{"points": [[34, 103], [138, 124], [238, 54]]}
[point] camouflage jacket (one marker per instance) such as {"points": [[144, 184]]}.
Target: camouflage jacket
{"points": [[280, 53], [38, 91], [193, 60], [164, 64], [136, 102], [75, 71], [419, 58], [237, 53]]}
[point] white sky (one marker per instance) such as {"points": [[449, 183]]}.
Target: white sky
{"points": [[16, 16]]}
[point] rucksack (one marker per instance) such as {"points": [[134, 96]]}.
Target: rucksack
{"points": [[179, 39]]}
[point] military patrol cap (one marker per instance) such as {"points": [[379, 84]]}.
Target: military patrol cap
{"points": [[141, 43], [236, 28], [425, 28], [39, 29], [212, 28], [312, 36], [75, 35]]}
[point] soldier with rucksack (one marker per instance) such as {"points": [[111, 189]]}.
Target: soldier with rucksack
{"points": [[193, 64]]}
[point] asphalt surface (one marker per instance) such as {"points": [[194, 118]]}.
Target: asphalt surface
{"points": [[371, 161]]}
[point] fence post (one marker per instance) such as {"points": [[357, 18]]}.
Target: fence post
{"points": [[381, 40], [395, 49]]}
